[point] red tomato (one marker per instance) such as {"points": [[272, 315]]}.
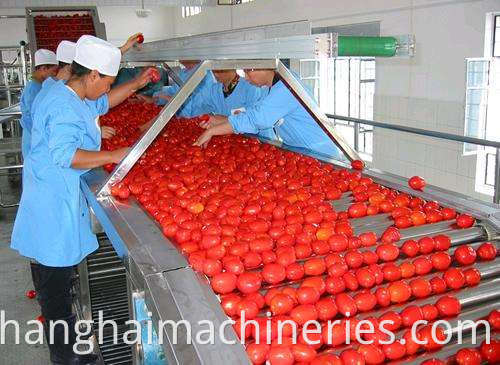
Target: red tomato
{"points": [[383, 297], [338, 242], [400, 292], [140, 38], [394, 351], [155, 75], [418, 218], [441, 260], [212, 267], [303, 313], [472, 276], [369, 257], [448, 306], [327, 360], [468, 357], [494, 319], [465, 255], [273, 273], [257, 353], [487, 251], [248, 308], [403, 222], [346, 305], [249, 282], [426, 245], [407, 270], [388, 252], [302, 352], [354, 259], [326, 308], [308, 295], [365, 278], [368, 239], [411, 314], [448, 213], [442, 242], [438, 285], [357, 210], [430, 312], [422, 265], [425, 335], [392, 321], [31, 294], [421, 288], [352, 357], [411, 346], [391, 235], [391, 272], [372, 354], [490, 352], [281, 304], [357, 165], [223, 283], [294, 271], [335, 285], [454, 278], [465, 221], [416, 183], [280, 355], [229, 302], [314, 266], [365, 301]]}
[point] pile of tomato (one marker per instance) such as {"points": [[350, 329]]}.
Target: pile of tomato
{"points": [[51, 30], [258, 222]]}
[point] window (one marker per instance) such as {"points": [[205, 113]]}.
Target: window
{"points": [[190, 11], [232, 2], [476, 100], [344, 86]]}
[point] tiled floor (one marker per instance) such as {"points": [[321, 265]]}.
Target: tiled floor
{"points": [[15, 280]]}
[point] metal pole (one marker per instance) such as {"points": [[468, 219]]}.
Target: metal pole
{"points": [[496, 197], [173, 75], [421, 132]]}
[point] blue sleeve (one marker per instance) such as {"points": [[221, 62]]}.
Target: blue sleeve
{"points": [[27, 98], [100, 106], [265, 113], [166, 90], [199, 103], [65, 132]]}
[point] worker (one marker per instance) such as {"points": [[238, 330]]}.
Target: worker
{"points": [[128, 73], [46, 65], [280, 110], [52, 225], [165, 95]]}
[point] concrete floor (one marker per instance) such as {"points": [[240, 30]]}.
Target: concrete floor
{"points": [[15, 280]]}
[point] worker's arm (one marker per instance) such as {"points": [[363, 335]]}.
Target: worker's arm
{"points": [[83, 159], [129, 43], [265, 113], [218, 130], [123, 91]]}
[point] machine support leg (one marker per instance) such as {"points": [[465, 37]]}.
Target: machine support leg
{"points": [[496, 197]]}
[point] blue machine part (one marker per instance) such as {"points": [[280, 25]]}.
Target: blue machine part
{"points": [[152, 351]]}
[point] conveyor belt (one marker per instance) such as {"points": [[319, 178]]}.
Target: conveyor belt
{"points": [[108, 293]]}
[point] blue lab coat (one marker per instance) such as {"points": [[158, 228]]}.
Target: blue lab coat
{"points": [[27, 99], [52, 224]]}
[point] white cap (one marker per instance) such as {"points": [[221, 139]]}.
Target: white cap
{"points": [[45, 57], [97, 54], [66, 51]]}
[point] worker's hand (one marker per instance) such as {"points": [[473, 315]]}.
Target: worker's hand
{"points": [[163, 97], [143, 79], [213, 121], [129, 43], [119, 154], [203, 140], [146, 126], [143, 99], [107, 132]]}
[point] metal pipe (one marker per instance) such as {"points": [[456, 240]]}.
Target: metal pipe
{"points": [[496, 197], [422, 132]]}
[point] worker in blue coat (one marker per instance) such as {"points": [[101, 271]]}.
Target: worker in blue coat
{"points": [[280, 110], [163, 96], [46, 65], [52, 225]]}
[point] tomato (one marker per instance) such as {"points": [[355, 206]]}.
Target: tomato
{"points": [[223, 283], [442, 242], [302, 352], [422, 265], [410, 248], [411, 346], [372, 354], [448, 213], [369, 257], [490, 352], [465, 221], [352, 357], [403, 222], [354, 259], [388, 252], [407, 270], [212, 267], [281, 304], [494, 319], [391, 272], [400, 292], [357, 165], [368, 239], [357, 210], [383, 297], [365, 277], [421, 288], [430, 312], [273, 273], [249, 282], [338, 242], [365, 301], [251, 260], [314, 266], [313, 217], [326, 308], [155, 75], [465, 255], [454, 278], [438, 285], [257, 353], [247, 308], [434, 216], [472, 276], [392, 321], [315, 282], [294, 272], [327, 360], [31, 294], [334, 285], [418, 218], [468, 357], [394, 351], [307, 295], [303, 313], [441, 260], [391, 235], [425, 335], [351, 283], [319, 247], [411, 314], [426, 245], [280, 355], [448, 306], [487, 251], [346, 305], [140, 38]]}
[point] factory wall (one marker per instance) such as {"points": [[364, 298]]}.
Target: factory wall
{"points": [[427, 91]]}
